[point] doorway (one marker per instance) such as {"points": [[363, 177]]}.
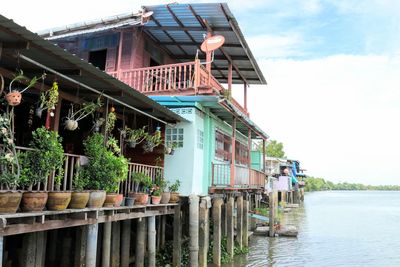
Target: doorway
{"points": [[98, 58]]}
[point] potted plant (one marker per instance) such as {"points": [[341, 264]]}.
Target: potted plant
{"points": [[9, 167], [152, 141], [46, 156], [170, 148], [71, 121], [174, 191], [14, 95], [48, 100], [79, 197], [142, 185], [134, 137], [156, 196]]}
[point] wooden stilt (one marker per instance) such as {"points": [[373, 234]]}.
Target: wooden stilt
{"points": [[217, 234], [106, 249], [152, 241], [203, 231], [194, 230], [91, 248], [230, 226], [239, 221], [162, 232], [80, 246], [126, 242], [245, 222], [140, 242], [271, 214], [115, 244], [176, 257]]}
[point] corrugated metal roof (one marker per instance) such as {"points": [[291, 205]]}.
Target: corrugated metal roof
{"points": [[184, 25], [52, 56]]}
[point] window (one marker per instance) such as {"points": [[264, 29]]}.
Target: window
{"points": [[174, 135], [200, 139], [241, 153], [222, 146]]}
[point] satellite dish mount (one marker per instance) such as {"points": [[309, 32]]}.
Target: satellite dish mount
{"points": [[209, 45]]}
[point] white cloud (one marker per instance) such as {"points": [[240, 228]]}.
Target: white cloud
{"points": [[338, 115]]}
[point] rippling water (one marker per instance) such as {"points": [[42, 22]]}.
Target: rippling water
{"points": [[340, 228]]}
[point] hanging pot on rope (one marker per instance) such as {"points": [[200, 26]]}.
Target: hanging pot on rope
{"points": [[14, 98]]}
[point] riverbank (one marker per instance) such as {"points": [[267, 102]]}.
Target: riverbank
{"points": [[320, 184], [336, 228]]}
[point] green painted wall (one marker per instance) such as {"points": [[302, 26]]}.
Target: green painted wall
{"points": [[256, 160]]}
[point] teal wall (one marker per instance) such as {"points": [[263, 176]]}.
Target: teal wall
{"points": [[256, 160]]}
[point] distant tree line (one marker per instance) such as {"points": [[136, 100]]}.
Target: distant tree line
{"points": [[319, 184]]}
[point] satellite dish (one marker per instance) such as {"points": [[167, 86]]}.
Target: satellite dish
{"points": [[212, 43], [147, 14]]}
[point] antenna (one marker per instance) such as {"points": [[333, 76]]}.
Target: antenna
{"points": [[210, 44]]}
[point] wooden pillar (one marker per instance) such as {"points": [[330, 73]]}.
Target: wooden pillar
{"points": [[216, 213], [106, 249], [245, 222], [66, 249], [264, 169], [223, 219], [283, 198], [230, 226], [194, 230], [125, 243], [151, 241], [245, 96], [57, 115], [91, 247], [140, 242], [80, 246], [233, 154], [271, 214], [34, 249], [162, 233], [203, 231], [176, 256], [115, 244], [239, 221], [230, 77], [53, 238]]}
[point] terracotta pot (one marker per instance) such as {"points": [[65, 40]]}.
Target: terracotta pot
{"points": [[118, 200], [155, 200], [58, 200], [96, 199], [174, 197], [140, 198], [9, 201], [79, 200], [110, 200], [14, 98], [165, 197], [33, 201]]}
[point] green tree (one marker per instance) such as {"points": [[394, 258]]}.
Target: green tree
{"points": [[273, 149]]}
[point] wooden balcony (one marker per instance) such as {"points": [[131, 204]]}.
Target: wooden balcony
{"points": [[71, 163], [190, 78], [245, 178]]}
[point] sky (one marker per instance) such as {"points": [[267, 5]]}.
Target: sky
{"points": [[333, 73]]}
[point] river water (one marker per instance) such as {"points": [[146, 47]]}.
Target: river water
{"points": [[336, 228]]}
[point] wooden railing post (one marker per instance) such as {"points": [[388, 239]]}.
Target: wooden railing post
{"points": [[233, 154], [196, 75]]}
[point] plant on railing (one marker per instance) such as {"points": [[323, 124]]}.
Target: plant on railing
{"points": [[14, 95], [106, 168], [134, 136], [46, 156], [9, 164], [175, 186], [152, 141], [142, 181], [48, 99], [71, 121]]}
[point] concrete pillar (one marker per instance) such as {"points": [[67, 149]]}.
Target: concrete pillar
{"points": [[140, 245], [176, 256], [80, 246], [239, 221], [271, 214], [115, 244], [203, 231], [91, 247], [245, 222], [66, 249], [1, 250], [223, 219], [194, 230], [230, 226], [152, 241], [216, 214], [162, 232], [106, 249], [126, 242]]}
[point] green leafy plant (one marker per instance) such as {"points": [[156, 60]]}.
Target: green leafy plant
{"points": [[19, 77], [9, 164], [80, 181], [105, 170], [157, 192], [134, 136], [142, 181], [71, 121], [46, 156], [49, 98], [110, 122], [152, 141], [175, 186]]}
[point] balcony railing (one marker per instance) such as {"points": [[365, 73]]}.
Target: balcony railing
{"points": [[188, 78], [244, 177], [72, 162]]}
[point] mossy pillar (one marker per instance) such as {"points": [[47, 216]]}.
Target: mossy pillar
{"points": [[239, 221], [204, 231], [194, 230], [217, 233], [230, 226], [140, 242], [245, 222]]}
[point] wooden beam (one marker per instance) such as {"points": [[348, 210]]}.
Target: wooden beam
{"points": [[38, 72], [216, 57], [15, 45], [179, 28], [233, 154], [197, 44]]}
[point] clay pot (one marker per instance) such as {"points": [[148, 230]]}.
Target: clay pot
{"points": [[118, 200], [33, 201], [155, 200], [165, 197], [70, 125], [79, 200], [9, 201], [14, 98], [58, 200], [174, 197], [110, 200], [96, 199], [140, 198]]}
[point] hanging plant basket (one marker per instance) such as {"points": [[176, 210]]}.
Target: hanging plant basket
{"points": [[14, 98], [70, 125], [71, 121]]}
